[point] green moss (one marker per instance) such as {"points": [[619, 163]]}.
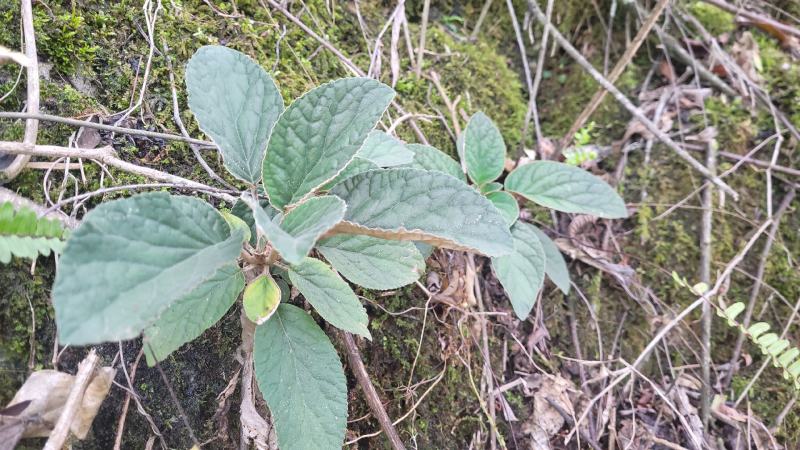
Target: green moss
{"points": [[715, 20]]}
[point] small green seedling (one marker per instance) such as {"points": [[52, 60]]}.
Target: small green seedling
{"points": [[326, 196]]}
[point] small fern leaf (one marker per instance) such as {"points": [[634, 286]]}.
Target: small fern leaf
{"points": [[731, 312], [24, 235], [788, 356], [757, 329], [794, 369], [766, 340], [776, 349]]}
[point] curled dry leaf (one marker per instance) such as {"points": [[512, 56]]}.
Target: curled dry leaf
{"points": [[47, 391], [546, 421]]}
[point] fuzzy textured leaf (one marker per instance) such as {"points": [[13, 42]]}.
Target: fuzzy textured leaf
{"points": [[318, 135], [236, 103], [190, 316], [330, 296], [356, 166], [522, 272], [431, 158], [373, 263], [484, 149], [130, 259], [507, 205], [426, 206], [555, 267], [261, 299], [302, 380], [385, 150], [567, 189], [295, 234]]}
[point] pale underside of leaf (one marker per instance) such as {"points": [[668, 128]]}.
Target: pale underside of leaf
{"points": [[555, 267], [330, 296], [319, 134], [236, 103], [425, 206], [189, 317], [373, 263], [131, 259], [522, 272], [302, 381]]}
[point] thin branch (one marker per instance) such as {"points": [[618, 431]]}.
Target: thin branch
{"points": [[107, 156], [705, 277], [485, 9], [104, 127], [373, 400], [616, 72], [82, 379], [32, 104], [423, 29], [739, 11], [620, 97], [533, 107]]}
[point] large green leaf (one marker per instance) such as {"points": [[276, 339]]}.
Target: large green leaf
{"points": [[330, 296], [555, 266], [484, 149], [385, 150], [319, 134], [302, 380], [130, 259], [431, 158], [566, 188], [295, 234], [190, 316], [372, 262], [426, 206], [507, 205], [236, 103], [522, 272], [356, 166]]}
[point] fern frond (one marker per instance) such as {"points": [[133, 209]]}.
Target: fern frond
{"points": [[780, 351], [24, 235]]}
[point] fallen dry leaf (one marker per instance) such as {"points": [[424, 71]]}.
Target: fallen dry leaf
{"points": [[47, 391], [546, 420]]}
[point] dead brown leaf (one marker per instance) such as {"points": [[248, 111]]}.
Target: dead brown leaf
{"points": [[47, 391]]}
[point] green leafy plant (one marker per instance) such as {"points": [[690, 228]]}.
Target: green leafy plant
{"points": [[326, 197], [551, 184], [24, 235], [581, 151]]}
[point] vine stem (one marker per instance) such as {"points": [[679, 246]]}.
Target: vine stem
{"points": [[374, 401]]}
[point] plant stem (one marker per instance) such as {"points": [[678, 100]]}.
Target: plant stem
{"points": [[374, 401]]}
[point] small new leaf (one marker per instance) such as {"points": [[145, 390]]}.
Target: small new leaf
{"points": [[24, 235], [567, 189], [507, 205], [484, 149], [261, 299]]}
